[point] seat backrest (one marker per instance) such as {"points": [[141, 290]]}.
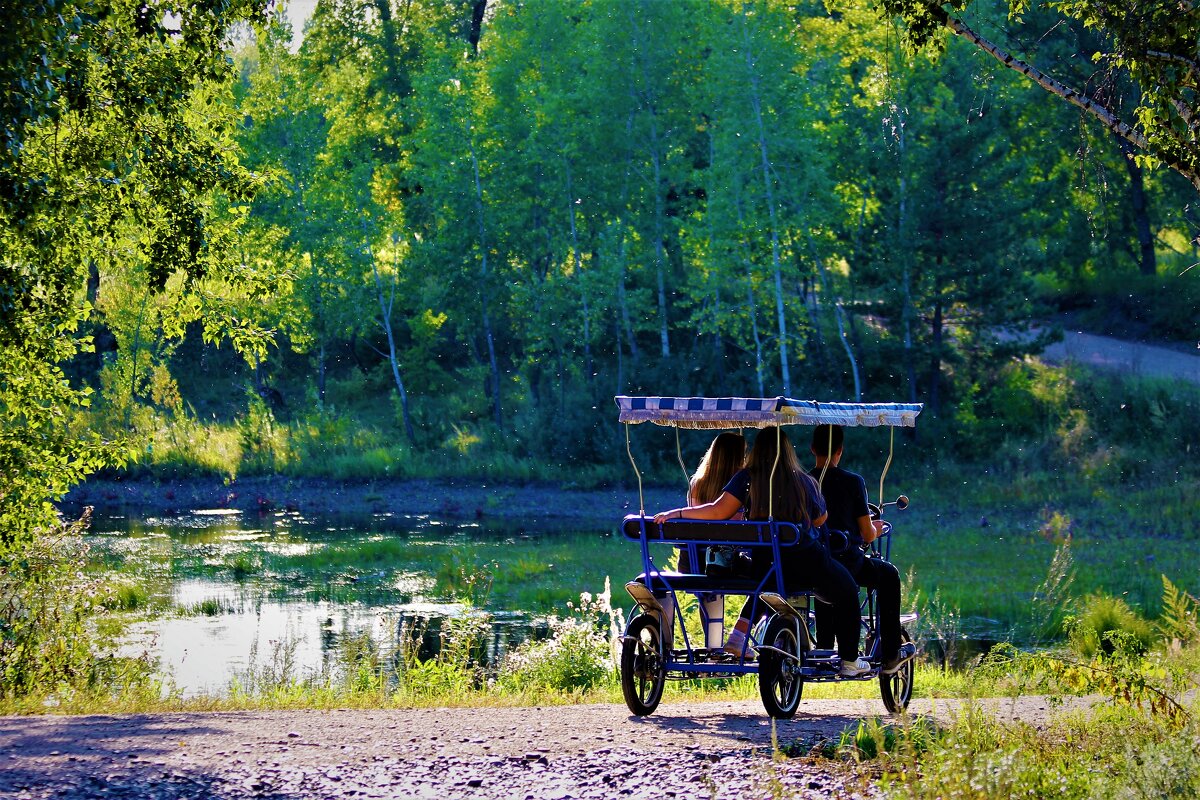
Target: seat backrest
{"points": [[707, 532]]}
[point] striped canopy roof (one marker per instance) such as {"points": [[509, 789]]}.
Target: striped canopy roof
{"points": [[759, 412]]}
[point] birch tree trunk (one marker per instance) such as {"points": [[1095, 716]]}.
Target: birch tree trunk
{"points": [[656, 176], [1080, 100], [587, 322], [386, 303], [483, 286], [838, 316], [768, 188], [751, 305], [906, 310]]}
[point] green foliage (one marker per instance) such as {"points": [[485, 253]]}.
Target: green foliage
{"points": [[1140, 307], [46, 609], [1156, 48], [1107, 626], [1179, 623], [910, 738], [578, 655], [125, 596], [1048, 606]]}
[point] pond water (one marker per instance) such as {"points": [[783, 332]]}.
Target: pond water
{"points": [[229, 592]]}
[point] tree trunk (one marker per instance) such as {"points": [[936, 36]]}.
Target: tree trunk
{"points": [[751, 305], [906, 310], [837, 313], [1141, 210], [483, 288], [659, 255], [587, 322], [321, 376], [386, 304], [478, 10], [656, 176], [768, 188], [396, 78], [935, 367]]}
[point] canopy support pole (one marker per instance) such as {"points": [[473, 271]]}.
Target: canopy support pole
{"points": [[687, 481], [886, 466], [641, 498], [771, 482], [825, 466]]}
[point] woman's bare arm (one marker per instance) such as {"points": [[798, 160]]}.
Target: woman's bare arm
{"points": [[724, 507]]}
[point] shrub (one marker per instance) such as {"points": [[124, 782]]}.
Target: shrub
{"points": [[579, 654], [575, 657], [46, 609], [1107, 626]]}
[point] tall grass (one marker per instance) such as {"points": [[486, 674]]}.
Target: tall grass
{"points": [[1144, 743]]}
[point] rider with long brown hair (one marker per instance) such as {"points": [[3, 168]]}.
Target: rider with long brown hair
{"points": [[789, 496], [723, 459]]}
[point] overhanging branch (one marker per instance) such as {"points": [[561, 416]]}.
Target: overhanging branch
{"points": [[1096, 110]]}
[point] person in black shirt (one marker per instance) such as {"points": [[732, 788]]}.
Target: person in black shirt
{"points": [[851, 529]]}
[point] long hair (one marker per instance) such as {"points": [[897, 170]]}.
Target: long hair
{"points": [[723, 458], [789, 495]]}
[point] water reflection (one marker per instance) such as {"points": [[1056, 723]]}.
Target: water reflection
{"points": [[236, 593]]}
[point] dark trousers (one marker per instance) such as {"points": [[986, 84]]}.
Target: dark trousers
{"points": [[813, 569], [884, 578]]}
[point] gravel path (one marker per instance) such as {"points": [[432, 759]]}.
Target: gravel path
{"points": [[685, 750], [1119, 355]]}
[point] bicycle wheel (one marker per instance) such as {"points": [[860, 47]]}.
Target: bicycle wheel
{"points": [[897, 688], [643, 669], [779, 680]]}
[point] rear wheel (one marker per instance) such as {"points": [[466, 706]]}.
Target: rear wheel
{"points": [[643, 669], [897, 688], [779, 679]]}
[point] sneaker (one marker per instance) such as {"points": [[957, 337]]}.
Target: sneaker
{"points": [[855, 668], [736, 644], [905, 654]]}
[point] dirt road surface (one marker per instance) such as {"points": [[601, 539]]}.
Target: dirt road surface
{"points": [[685, 750], [1119, 355]]}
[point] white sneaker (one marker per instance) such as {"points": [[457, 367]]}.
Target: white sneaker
{"points": [[855, 668]]}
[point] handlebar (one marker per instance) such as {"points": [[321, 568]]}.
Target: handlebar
{"points": [[901, 503]]}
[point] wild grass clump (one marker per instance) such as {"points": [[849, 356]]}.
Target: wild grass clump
{"points": [[1107, 625], [209, 607], [124, 596], [243, 565], [1144, 744]]}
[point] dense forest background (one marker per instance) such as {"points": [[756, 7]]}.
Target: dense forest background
{"points": [[435, 237], [473, 223]]}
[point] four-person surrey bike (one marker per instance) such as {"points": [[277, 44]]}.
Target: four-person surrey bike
{"points": [[656, 646]]}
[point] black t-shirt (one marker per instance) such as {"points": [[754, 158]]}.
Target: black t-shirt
{"points": [[739, 487], [846, 499]]}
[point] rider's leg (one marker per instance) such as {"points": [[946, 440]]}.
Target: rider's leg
{"points": [[736, 644], [834, 585], [884, 578], [668, 620], [712, 614], [825, 631]]}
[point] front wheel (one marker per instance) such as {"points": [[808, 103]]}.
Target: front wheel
{"points": [[643, 669], [897, 688], [779, 679]]}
